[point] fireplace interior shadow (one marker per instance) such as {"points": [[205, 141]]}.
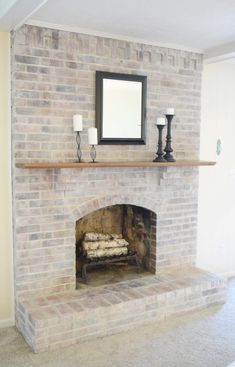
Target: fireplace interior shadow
{"points": [[115, 243]]}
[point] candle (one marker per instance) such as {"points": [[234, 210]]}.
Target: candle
{"points": [[170, 111], [161, 121], [92, 136], [77, 123]]}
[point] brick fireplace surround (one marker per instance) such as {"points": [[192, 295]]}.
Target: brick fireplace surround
{"points": [[53, 77]]}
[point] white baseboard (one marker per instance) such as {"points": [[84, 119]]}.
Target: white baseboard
{"points": [[7, 323]]}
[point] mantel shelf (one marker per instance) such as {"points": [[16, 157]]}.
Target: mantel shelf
{"points": [[46, 165]]}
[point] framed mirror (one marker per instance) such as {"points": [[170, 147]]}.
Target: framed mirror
{"points": [[120, 108]]}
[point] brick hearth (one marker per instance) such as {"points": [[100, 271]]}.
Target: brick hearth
{"points": [[62, 319]]}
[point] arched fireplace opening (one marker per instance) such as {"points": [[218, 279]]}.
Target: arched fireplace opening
{"points": [[115, 243]]}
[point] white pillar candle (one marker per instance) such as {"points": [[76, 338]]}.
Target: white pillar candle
{"points": [[92, 136], [77, 123], [170, 111], [161, 121]]}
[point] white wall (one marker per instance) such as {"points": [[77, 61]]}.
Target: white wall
{"points": [[216, 230], [6, 258]]}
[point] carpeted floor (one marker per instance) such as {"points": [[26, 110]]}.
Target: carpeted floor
{"points": [[201, 339]]}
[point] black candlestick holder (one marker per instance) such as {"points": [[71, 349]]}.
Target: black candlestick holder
{"points": [[168, 149], [160, 152], [93, 153], [79, 152]]}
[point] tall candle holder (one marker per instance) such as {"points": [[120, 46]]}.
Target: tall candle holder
{"points": [[168, 149], [160, 152], [79, 152], [77, 127], [93, 153]]}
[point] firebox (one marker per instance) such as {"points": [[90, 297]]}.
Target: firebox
{"points": [[115, 242]]}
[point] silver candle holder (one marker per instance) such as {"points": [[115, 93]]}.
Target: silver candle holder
{"points": [[93, 153], [77, 127], [79, 152], [92, 140]]}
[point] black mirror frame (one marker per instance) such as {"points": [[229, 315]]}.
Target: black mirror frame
{"points": [[100, 75]]}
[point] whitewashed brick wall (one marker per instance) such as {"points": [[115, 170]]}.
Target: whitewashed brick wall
{"points": [[53, 77]]}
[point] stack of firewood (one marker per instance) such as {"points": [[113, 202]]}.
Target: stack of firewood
{"points": [[99, 245]]}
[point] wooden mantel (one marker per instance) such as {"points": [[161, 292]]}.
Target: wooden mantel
{"points": [[46, 165]]}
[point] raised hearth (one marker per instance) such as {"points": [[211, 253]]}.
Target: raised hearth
{"points": [[63, 319]]}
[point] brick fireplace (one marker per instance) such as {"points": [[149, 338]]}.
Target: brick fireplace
{"points": [[53, 76]]}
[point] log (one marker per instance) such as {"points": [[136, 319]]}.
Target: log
{"points": [[104, 244], [117, 251], [94, 236]]}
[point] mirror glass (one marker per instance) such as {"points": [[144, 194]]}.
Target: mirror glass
{"points": [[120, 108]]}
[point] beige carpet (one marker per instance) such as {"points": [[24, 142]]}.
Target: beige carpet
{"points": [[202, 339]]}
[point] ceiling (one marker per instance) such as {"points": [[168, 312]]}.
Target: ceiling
{"points": [[195, 24], [188, 24]]}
